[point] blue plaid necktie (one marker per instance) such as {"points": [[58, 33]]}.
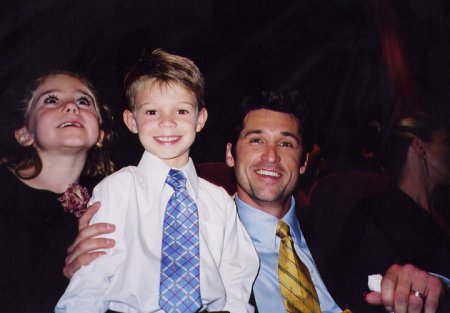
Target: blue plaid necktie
{"points": [[180, 263]]}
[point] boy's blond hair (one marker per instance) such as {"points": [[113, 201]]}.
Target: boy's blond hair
{"points": [[164, 68]]}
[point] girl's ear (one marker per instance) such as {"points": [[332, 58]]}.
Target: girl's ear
{"points": [[23, 137], [201, 119], [101, 137], [229, 159], [130, 121]]}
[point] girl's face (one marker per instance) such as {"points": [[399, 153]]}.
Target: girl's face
{"points": [[62, 117]]}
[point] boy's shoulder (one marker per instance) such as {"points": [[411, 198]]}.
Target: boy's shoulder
{"points": [[212, 188], [124, 174]]}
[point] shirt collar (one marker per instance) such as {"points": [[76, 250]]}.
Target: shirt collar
{"points": [[156, 170], [264, 231]]}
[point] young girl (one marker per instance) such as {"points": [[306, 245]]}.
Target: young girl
{"points": [[60, 139]]}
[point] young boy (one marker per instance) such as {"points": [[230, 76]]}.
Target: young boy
{"points": [[180, 246]]}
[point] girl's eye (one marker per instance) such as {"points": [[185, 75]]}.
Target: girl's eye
{"points": [[150, 112], [51, 99], [84, 101]]}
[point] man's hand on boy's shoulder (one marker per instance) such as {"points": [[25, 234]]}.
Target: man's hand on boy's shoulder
{"points": [[84, 249], [396, 287]]}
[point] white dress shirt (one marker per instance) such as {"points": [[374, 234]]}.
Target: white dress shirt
{"points": [[262, 229], [127, 278]]}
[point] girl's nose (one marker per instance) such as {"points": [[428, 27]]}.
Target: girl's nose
{"points": [[70, 107]]}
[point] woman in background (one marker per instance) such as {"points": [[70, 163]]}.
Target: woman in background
{"points": [[402, 225]]}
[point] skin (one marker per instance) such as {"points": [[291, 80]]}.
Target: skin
{"points": [[267, 167], [62, 124], [438, 157], [414, 179], [267, 163], [166, 118]]}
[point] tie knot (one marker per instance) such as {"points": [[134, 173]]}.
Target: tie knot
{"points": [[283, 229], [176, 180]]}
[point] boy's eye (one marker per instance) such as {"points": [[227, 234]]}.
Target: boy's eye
{"points": [[51, 99], [150, 112], [84, 101], [183, 111]]}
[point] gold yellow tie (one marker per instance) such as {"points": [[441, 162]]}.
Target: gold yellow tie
{"points": [[297, 288]]}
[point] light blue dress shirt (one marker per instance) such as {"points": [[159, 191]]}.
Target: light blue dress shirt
{"points": [[261, 227]]}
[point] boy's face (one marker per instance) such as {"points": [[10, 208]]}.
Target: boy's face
{"points": [[166, 118]]}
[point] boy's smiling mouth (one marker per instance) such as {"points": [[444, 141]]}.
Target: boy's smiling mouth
{"points": [[167, 139]]}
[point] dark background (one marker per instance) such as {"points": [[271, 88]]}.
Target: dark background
{"points": [[353, 60]]}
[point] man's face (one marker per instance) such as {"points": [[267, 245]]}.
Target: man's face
{"points": [[267, 160]]}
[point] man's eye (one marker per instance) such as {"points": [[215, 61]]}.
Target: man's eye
{"points": [[84, 101], [255, 140], [286, 144], [150, 112], [51, 99]]}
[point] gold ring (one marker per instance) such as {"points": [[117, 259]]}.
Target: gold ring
{"points": [[417, 293]]}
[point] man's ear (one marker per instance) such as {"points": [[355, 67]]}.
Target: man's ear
{"points": [[305, 165], [130, 121], [229, 159], [23, 137], [201, 119]]}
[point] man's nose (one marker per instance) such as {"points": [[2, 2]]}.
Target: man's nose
{"points": [[270, 154]]}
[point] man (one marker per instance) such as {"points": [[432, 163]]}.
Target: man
{"points": [[267, 157]]}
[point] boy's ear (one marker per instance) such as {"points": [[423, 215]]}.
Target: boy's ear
{"points": [[130, 121], [201, 119], [229, 159], [23, 137]]}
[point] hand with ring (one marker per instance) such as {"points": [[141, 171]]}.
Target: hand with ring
{"points": [[408, 289]]}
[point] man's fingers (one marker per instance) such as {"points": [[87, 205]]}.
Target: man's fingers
{"points": [[388, 285], [86, 247], [373, 297], [84, 220], [90, 232], [415, 303], [74, 266], [433, 292]]}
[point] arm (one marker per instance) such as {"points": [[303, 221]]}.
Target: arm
{"points": [[85, 247], [396, 287], [239, 263], [89, 285]]}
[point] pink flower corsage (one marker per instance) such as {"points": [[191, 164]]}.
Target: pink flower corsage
{"points": [[75, 199]]}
